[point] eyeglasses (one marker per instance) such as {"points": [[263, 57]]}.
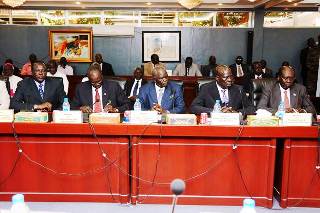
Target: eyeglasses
{"points": [[231, 77], [288, 78]]}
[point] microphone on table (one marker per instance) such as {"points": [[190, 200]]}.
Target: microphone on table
{"points": [[177, 187]]}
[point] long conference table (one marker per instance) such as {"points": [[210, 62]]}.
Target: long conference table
{"points": [[135, 163]]}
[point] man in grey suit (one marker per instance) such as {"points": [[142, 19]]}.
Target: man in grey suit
{"points": [[293, 95], [187, 69]]}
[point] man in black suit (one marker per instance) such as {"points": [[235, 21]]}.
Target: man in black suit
{"points": [[239, 69], [303, 59], [97, 94], [266, 69], [209, 70], [133, 85], [223, 88], [38, 92], [105, 67]]}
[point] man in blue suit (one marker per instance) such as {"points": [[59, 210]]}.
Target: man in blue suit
{"points": [[162, 95]]}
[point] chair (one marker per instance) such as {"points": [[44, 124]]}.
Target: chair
{"points": [[203, 81], [257, 87]]}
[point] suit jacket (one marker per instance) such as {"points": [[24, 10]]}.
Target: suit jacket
{"points": [[271, 97], [181, 70], [27, 94], [111, 92], [233, 68], [208, 70], [209, 93], [107, 69], [269, 72], [172, 99], [148, 67], [247, 84], [129, 83]]}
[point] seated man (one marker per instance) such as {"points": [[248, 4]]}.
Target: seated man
{"points": [[209, 70], [38, 92], [187, 69], [293, 95], [4, 96], [97, 95], [239, 69], [52, 72], [106, 68], [161, 95], [10, 79], [16, 70], [148, 67], [223, 88], [64, 68], [133, 85]]}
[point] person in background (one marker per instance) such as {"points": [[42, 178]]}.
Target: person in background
{"points": [[239, 69], [312, 67], [4, 97], [303, 59], [148, 67], [133, 85], [38, 93], [27, 68], [52, 72], [106, 68], [187, 69], [162, 95], [209, 70], [222, 88], [16, 70], [64, 68], [285, 63], [10, 79], [265, 69], [293, 95], [98, 95]]}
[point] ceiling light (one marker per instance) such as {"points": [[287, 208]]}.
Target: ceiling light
{"points": [[149, 3], [13, 3], [78, 2], [190, 3], [220, 4], [295, 4], [289, 0], [252, 0]]}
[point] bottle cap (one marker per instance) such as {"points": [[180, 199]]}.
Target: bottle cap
{"points": [[65, 99], [217, 101], [250, 203], [18, 198]]}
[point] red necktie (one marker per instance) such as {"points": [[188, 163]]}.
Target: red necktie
{"points": [[286, 100], [97, 104]]}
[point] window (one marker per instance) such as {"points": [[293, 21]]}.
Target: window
{"points": [[52, 17], [118, 17], [158, 18], [291, 19], [84, 17], [233, 19], [4, 16], [26, 17], [196, 19]]}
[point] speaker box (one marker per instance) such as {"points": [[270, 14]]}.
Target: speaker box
{"points": [[249, 47]]}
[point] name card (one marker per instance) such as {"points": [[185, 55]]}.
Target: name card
{"points": [[104, 118], [6, 115], [254, 120], [225, 119], [297, 119], [181, 119], [31, 117], [143, 117], [71, 117]]}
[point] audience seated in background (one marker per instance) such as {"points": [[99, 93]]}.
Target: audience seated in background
{"points": [[64, 68], [162, 95], [105, 67], [97, 94], [312, 66], [133, 85], [148, 67], [265, 69], [27, 68], [38, 92], [293, 95], [4, 96], [303, 58], [187, 69], [209, 70], [16, 70], [222, 88], [239, 69], [52, 72], [10, 79]]}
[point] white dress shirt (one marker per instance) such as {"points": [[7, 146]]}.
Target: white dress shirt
{"points": [[134, 84], [14, 80], [43, 84], [4, 96], [224, 94], [239, 70], [282, 94], [160, 92], [94, 97], [68, 70], [64, 79]]}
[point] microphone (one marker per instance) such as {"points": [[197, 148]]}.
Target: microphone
{"points": [[242, 103], [177, 187]]}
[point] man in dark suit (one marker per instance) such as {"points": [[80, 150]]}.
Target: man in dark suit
{"points": [[105, 67], [97, 95], [223, 88], [39, 92], [293, 95], [16, 70], [239, 69], [162, 95], [133, 85], [266, 69], [303, 59], [209, 70]]}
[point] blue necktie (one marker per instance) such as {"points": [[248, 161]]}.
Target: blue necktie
{"points": [[41, 90]]}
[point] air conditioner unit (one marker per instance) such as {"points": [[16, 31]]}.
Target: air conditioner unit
{"points": [[102, 30]]}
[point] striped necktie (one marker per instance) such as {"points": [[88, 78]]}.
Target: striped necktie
{"points": [[41, 90]]}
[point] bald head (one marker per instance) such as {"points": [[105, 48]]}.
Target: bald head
{"points": [[160, 76], [224, 76], [95, 76]]}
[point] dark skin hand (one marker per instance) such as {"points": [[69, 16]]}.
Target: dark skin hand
{"points": [[44, 107], [158, 108]]}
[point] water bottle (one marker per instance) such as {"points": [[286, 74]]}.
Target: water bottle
{"points": [[18, 204], [65, 105], [137, 105], [217, 107], [281, 111], [248, 206]]}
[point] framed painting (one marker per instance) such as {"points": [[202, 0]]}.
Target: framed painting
{"points": [[166, 44], [75, 45]]}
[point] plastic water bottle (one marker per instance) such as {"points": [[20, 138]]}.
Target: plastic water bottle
{"points": [[281, 111], [137, 105], [217, 107], [65, 105], [248, 206], [18, 204]]}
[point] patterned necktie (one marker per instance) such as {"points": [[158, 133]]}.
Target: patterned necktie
{"points": [[97, 104], [239, 71], [286, 100], [224, 98], [160, 95], [41, 90], [187, 71], [135, 89]]}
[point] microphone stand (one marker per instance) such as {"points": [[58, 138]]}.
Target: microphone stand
{"points": [[174, 203]]}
